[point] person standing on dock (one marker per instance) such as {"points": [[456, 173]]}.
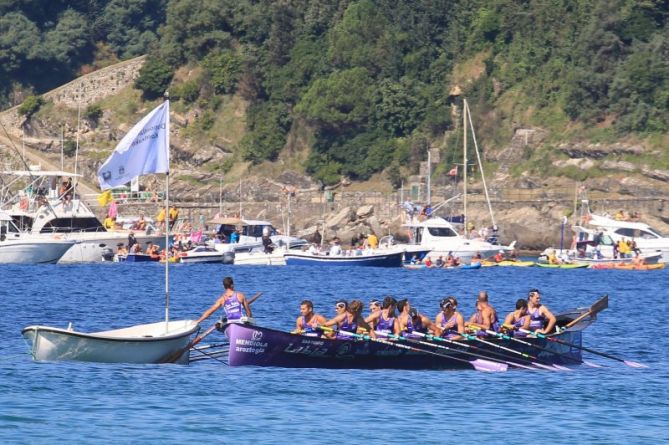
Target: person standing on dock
{"points": [[231, 301]]}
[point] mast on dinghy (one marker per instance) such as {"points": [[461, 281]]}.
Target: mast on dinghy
{"points": [[143, 150]]}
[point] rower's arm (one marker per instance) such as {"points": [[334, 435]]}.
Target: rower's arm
{"points": [[246, 304], [335, 320], [210, 311], [298, 324], [373, 316], [551, 321], [509, 319]]}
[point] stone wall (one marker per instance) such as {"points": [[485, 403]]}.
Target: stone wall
{"points": [[83, 91]]}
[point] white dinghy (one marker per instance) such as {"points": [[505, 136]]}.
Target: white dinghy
{"points": [[146, 343], [145, 149]]}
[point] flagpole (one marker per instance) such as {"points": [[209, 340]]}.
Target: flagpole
{"points": [[167, 217]]}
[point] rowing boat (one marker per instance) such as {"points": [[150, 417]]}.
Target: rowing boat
{"points": [[262, 346]]}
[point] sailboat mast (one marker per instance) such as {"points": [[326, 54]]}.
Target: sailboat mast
{"points": [[429, 176], [480, 163], [464, 162], [167, 219]]}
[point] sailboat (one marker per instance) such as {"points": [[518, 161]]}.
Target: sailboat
{"points": [[144, 150], [439, 236]]}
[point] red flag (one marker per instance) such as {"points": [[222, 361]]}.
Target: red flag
{"points": [[453, 171]]}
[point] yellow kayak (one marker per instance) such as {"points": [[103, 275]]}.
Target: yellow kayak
{"points": [[507, 263]]}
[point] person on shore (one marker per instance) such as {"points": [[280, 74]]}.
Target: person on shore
{"points": [[231, 301], [518, 319], [449, 322], [308, 321], [541, 319], [160, 218]]}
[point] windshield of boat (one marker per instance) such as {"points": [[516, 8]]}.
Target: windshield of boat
{"points": [[256, 231], [637, 233], [441, 231], [67, 225]]}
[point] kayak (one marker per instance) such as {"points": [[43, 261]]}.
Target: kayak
{"points": [[606, 266], [508, 263], [423, 266], [563, 266]]}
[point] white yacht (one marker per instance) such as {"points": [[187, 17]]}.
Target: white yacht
{"points": [[647, 239], [38, 210], [250, 233], [439, 238], [17, 247]]}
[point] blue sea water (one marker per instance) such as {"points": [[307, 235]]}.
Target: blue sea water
{"points": [[210, 402]]}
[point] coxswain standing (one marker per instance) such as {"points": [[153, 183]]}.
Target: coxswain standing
{"points": [[449, 322], [308, 321], [231, 301], [541, 319]]}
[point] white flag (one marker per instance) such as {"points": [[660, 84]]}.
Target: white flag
{"points": [[145, 149]]}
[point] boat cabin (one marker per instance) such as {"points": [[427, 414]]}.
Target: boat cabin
{"points": [[249, 230]]}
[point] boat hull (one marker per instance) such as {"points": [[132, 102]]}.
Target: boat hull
{"points": [[149, 343], [377, 260], [27, 252], [92, 247], [260, 258], [259, 346]]}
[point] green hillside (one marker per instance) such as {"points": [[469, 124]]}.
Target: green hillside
{"points": [[372, 82]]}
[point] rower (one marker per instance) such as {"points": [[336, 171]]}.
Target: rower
{"points": [[449, 322], [485, 316], [374, 306], [349, 319], [384, 320], [410, 320], [541, 319], [518, 319], [308, 321], [231, 301]]}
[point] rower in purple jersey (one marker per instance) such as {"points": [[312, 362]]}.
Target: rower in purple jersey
{"points": [[349, 319], [518, 319], [411, 321], [449, 322], [387, 314], [231, 301], [541, 319], [308, 321]]}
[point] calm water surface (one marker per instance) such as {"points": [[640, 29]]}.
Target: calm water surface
{"points": [[210, 402]]}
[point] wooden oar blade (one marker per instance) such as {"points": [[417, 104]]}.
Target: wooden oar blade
{"points": [[488, 366], [600, 305]]}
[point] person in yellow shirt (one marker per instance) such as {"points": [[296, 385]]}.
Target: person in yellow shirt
{"points": [[109, 223], [160, 219], [372, 241], [623, 248], [174, 214]]}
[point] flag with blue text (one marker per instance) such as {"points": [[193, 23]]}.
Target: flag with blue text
{"points": [[145, 149]]}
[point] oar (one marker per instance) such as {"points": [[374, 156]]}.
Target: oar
{"points": [[531, 345], [486, 353], [599, 306], [432, 345], [172, 357], [575, 360], [583, 348], [530, 358], [480, 352], [479, 365]]}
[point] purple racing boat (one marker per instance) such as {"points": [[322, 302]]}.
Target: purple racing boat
{"points": [[260, 346]]}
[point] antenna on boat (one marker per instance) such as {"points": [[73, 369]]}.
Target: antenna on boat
{"points": [[76, 151], [464, 162]]}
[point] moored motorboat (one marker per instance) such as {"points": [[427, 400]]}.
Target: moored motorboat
{"points": [[17, 247], [385, 258], [147, 343], [201, 254]]}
